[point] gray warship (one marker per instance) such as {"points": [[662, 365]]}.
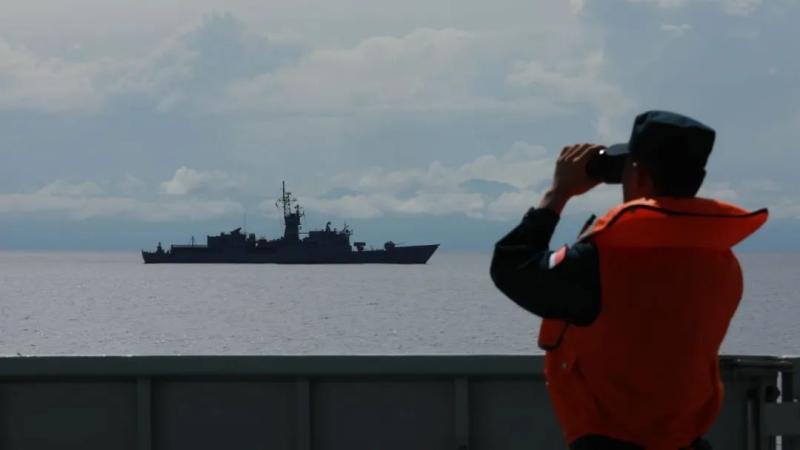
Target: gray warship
{"points": [[325, 246]]}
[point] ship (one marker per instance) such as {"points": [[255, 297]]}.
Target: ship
{"points": [[323, 246]]}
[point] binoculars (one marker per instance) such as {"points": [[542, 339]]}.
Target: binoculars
{"points": [[608, 163]]}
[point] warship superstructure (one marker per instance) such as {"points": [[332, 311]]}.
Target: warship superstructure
{"points": [[324, 246]]}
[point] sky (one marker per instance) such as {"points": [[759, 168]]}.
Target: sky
{"points": [[130, 122]]}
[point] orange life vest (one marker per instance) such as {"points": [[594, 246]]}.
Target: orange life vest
{"points": [[646, 370]]}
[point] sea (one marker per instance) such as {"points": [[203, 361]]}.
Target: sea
{"points": [[70, 303]]}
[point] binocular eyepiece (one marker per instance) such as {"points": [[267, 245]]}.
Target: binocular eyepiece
{"points": [[607, 164]]}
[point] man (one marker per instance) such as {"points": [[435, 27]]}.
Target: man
{"points": [[635, 311]]}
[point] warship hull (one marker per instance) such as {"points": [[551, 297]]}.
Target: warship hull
{"points": [[413, 254]]}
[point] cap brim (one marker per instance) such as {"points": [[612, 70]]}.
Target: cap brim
{"points": [[618, 149]]}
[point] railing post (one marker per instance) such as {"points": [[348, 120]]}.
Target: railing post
{"points": [[461, 412], [302, 414], [790, 387], [144, 418]]}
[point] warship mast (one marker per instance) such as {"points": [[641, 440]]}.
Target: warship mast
{"points": [[292, 213]]}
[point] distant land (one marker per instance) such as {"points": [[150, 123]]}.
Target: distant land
{"points": [[454, 233]]}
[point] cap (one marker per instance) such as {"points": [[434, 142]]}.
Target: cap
{"points": [[668, 138]]}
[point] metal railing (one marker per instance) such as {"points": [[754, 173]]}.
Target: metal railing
{"points": [[335, 402]]}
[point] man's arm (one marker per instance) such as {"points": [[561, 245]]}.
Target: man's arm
{"points": [[555, 285]]}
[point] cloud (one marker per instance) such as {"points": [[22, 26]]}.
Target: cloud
{"points": [[68, 189], [87, 200], [218, 69], [428, 71], [427, 68], [369, 206], [663, 3], [501, 188], [114, 207], [734, 7], [576, 81], [489, 187], [675, 30], [439, 190], [521, 166], [131, 185], [577, 5], [783, 202], [194, 69], [191, 68], [741, 7], [189, 181], [48, 84]]}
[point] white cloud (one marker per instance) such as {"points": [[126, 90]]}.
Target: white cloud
{"points": [[512, 204], [577, 5], [192, 68], [735, 7], [80, 208], [521, 166], [526, 170], [30, 82], [129, 26], [350, 206], [68, 189], [442, 70], [741, 7], [130, 185], [190, 181], [87, 200], [426, 68], [663, 3], [366, 206], [675, 30], [217, 68], [440, 189], [437, 191], [575, 82], [783, 202]]}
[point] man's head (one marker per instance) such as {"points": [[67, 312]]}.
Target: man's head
{"points": [[666, 156]]}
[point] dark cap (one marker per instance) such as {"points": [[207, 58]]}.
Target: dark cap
{"points": [[668, 139]]}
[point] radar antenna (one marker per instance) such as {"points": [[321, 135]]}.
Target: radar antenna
{"points": [[287, 203], [292, 213]]}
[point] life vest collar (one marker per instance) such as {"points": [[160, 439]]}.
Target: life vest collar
{"points": [[675, 222]]}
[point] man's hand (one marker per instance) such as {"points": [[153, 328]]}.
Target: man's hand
{"points": [[570, 178]]}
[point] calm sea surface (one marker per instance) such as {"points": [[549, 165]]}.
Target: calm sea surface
{"points": [[111, 303]]}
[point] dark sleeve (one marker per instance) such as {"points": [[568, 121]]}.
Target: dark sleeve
{"points": [[521, 269]]}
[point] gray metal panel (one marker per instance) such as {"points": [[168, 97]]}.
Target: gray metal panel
{"points": [[382, 414], [144, 416], [512, 414], [782, 418], [67, 415], [197, 415], [730, 430], [239, 366], [791, 393]]}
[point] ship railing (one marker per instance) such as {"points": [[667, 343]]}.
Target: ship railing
{"points": [[337, 402]]}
